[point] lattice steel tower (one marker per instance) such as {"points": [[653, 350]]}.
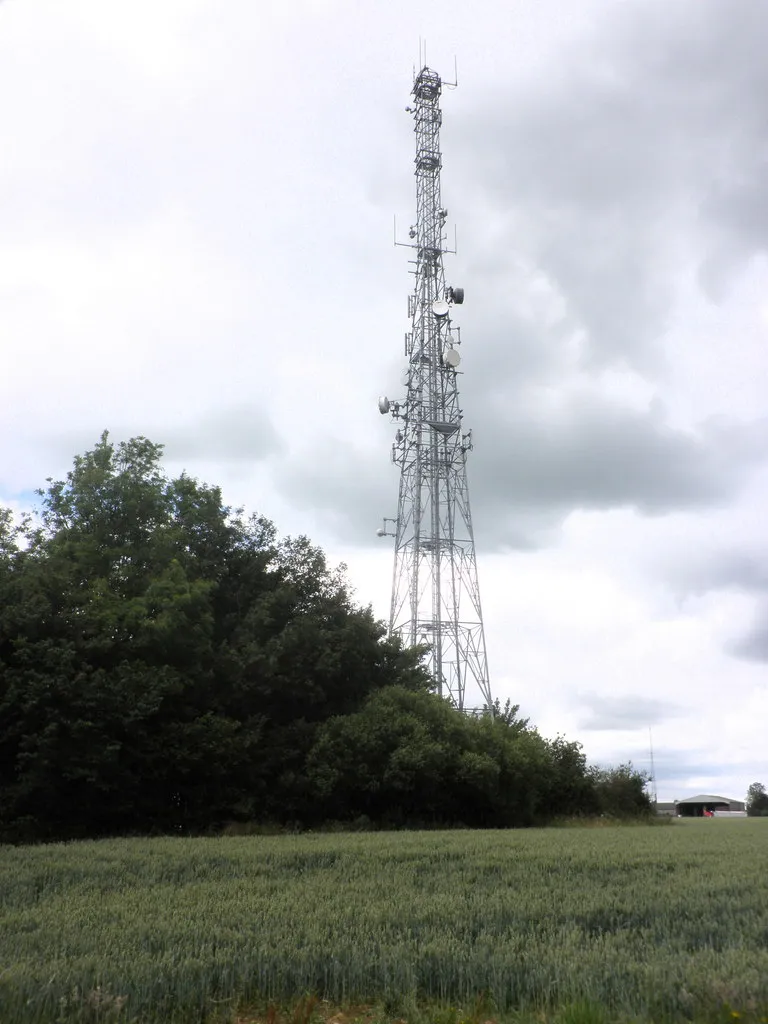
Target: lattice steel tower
{"points": [[435, 593]]}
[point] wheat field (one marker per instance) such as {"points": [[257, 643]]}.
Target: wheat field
{"points": [[648, 923]]}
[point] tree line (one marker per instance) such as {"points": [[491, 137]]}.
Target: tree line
{"points": [[167, 664], [757, 801]]}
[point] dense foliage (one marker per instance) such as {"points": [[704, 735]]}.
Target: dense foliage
{"points": [[167, 664], [757, 801], [651, 924]]}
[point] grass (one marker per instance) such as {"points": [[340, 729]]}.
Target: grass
{"points": [[574, 926]]}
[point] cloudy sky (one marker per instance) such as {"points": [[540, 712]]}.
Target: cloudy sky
{"points": [[196, 211]]}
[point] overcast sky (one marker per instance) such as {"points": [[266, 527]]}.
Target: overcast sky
{"points": [[196, 216]]}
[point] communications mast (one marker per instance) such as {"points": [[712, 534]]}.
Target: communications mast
{"points": [[435, 593]]}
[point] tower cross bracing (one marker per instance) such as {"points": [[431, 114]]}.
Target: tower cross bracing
{"points": [[435, 592]]}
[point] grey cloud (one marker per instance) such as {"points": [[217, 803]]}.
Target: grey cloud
{"points": [[604, 714], [230, 435], [679, 773], [684, 770], [532, 467], [238, 434], [643, 155], [593, 454], [730, 569], [721, 570], [753, 645], [348, 488]]}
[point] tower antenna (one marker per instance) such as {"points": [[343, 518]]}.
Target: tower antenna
{"points": [[435, 592], [654, 792]]}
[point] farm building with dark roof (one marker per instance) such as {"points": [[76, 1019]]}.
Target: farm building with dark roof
{"points": [[706, 804]]}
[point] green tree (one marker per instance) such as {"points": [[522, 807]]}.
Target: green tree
{"points": [[167, 663], [572, 785], [164, 662], [621, 792], [757, 801], [395, 759], [409, 757]]}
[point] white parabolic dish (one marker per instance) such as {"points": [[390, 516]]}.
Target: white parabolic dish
{"points": [[451, 357], [440, 307]]}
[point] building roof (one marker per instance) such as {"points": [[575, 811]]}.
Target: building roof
{"points": [[707, 798]]}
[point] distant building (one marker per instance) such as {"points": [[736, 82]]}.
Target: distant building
{"points": [[668, 808], [703, 805]]}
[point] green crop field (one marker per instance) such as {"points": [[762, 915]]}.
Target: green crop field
{"points": [[645, 923]]}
